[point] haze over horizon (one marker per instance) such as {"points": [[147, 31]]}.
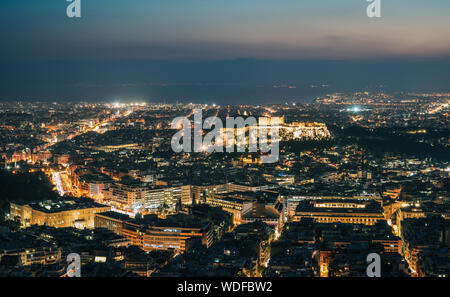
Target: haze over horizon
{"points": [[220, 50]]}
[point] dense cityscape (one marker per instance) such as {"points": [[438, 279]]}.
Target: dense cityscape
{"points": [[358, 173]]}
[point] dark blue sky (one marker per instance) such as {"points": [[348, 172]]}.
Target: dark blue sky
{"points": [[123, 48]]}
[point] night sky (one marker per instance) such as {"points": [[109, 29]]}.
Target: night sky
{"points": [[223, 50]]}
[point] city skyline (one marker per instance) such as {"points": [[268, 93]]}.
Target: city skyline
{"points": [[361, 181], [213, 147]]}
